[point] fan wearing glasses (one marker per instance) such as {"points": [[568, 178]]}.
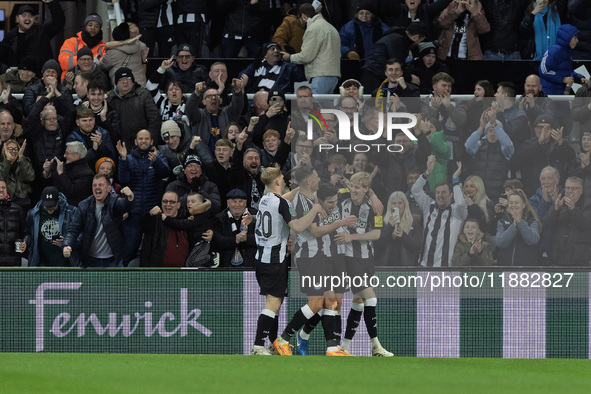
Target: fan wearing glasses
{"points": [[209, 121]]}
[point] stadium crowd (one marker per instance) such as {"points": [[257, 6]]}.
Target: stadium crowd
{"points": [[160, 170]]}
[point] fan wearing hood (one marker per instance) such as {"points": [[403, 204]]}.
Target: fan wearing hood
{"points": [[556, 69]]}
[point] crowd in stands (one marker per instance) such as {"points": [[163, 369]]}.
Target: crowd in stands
{"points": [[104, 165]]}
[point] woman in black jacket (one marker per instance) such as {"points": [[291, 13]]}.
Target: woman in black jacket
{"points": [[401, 239]]}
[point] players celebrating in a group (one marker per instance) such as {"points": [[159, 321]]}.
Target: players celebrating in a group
{"points": [[313, 264], [326, 245]]}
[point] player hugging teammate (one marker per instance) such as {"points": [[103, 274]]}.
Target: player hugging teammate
{"points": [[326, 245]]}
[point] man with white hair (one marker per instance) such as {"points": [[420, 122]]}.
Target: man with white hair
{"points": [[73, 176], [570, 220]]}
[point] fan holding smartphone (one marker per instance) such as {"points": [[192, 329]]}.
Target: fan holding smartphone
{"points": [[401, 240]]}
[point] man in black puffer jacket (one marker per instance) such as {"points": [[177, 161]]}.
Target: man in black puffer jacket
{"points": [[12, 227], [36, 36]]}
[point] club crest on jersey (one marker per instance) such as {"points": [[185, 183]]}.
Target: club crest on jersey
{"points": [[363, 214]]}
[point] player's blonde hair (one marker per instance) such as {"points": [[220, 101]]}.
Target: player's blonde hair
{"points": [[270, 174], [362, 179]]}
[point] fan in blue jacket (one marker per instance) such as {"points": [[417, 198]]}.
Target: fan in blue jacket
{"points": [[556, 69], [359, 34]]}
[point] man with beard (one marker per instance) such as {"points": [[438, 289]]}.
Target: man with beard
{"points": [[90, 36], [245, 173], [85, 64], [192, 179], [535, 102], [442, 220], [208, 122], [185, 70], [96, 140], [143, 170], [98, 220], [271, 72], [48, 222], [28, 38]]}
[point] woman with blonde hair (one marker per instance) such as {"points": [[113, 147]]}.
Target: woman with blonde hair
{"points": [[17, 171], [401, 239], [518, 233], [480, 207]]}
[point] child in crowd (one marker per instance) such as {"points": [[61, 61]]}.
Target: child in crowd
{"points": [[471, 248]]}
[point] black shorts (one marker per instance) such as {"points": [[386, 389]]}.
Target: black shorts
{"points": [[360, 271], [338, 269], [316, 271], [272, 278]]}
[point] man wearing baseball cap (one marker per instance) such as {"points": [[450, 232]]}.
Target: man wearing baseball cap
{"points": [[28, 38], [229, 234], [264, 75], [185, 70], [47, 222], [192, 179]]}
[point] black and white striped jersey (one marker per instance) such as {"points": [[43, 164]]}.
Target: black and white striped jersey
{"points": [[306, 244], [328, 244], [272, 228], [441, 226], [367, 221]]}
